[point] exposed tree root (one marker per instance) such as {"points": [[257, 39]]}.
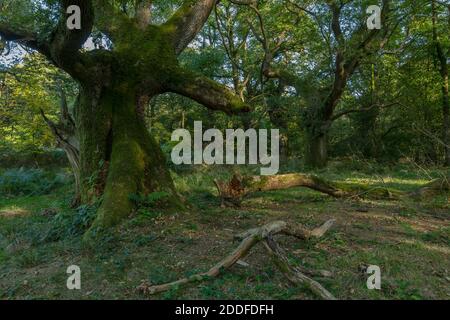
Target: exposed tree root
{"points": [[248, 240]]}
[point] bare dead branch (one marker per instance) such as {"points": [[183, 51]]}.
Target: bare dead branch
{"points": [[251, 238]]}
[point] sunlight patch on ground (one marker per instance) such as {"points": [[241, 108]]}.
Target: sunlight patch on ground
{"points": [[423, 225], [373, 216], [430, 247], [386, 180], [13, 211]]}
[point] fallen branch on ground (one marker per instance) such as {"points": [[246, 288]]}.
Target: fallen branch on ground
{"points": [[249, 239], [234, 191]]}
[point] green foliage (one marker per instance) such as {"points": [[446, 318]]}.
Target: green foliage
{"points": [[152, 200], [71, 224], [389, 136], [28, 182], [441, 236], [29, 86]]}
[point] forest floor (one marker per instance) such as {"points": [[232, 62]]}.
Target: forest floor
{"points": [[410, 241]]}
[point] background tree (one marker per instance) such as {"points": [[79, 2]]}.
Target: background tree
{"points": [[442, 56]]}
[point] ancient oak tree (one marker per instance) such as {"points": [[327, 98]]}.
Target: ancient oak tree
{"points": [[117, 155]]}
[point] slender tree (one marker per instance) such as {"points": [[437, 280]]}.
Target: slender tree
{"points": [[442, 63]]}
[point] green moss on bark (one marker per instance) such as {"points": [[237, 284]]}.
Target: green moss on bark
{"points": [[136, 164]]}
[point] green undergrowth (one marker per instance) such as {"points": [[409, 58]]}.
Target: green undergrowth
{"points": [[41, 235]]}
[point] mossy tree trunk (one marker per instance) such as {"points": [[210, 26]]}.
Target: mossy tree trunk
{"points": [[316, 154], [118, 157]]}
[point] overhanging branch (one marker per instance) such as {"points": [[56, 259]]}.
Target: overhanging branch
{"points": [[205, 91], [24, 37], [63, 45], [110, 20]]}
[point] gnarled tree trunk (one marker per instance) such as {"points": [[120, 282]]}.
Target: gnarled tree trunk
{"points": [[118, 155]]}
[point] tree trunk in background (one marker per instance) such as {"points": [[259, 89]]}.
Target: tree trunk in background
{"points": [[316, 124], [316, 155], [446, 117], [446, 112], [278, 116], [443, 70]]}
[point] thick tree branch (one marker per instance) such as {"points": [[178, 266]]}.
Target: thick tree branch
{"points": [[66, 43], [207, 92], [63, 45], [111, 21], [24, 37], [143, 13], [347, 62], [349, 111], [188, 21]]}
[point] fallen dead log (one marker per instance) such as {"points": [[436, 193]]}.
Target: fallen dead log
{"points": [[233, 192], [238, 187], [249, 239]]}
